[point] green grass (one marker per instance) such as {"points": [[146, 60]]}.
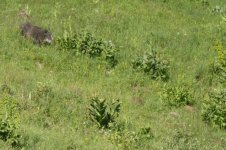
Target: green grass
{"points": [[183, 31]]}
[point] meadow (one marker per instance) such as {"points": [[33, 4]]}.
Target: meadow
{"points": [[46, 91]]}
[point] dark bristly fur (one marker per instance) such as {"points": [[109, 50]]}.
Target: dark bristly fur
{"points": [[37, 34]]}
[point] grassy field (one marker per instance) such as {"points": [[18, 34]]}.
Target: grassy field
{"points": [[181, 31]]}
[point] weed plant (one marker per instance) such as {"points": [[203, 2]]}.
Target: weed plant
{"points": [[9, 122], [177, 96], [214, 108], [150, 63], [218, 67], [102, 113], [85, 43]]}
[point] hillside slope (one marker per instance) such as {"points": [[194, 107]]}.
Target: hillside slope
{"points": [[53, 88]]}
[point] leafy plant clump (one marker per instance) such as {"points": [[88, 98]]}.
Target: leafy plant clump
{"points": [[177, 96], [126, 139], [218, 67], [103, 113], [214, 108], [153, 65], [85, 43], [8, 132], [9, 122]]}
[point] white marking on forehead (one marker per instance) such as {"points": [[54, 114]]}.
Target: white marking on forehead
{"points": [[48, 40], [51, 37]]}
